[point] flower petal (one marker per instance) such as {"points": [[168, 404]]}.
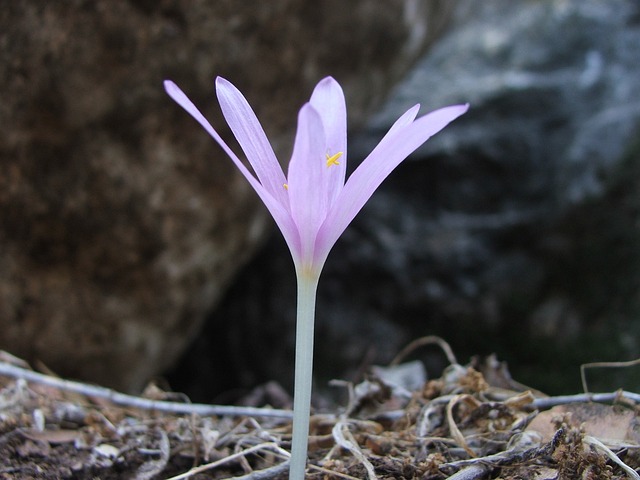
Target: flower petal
{"points": [[375, 168], [179, 96], [251, 137], [307, 177], [405, 119], [278, 211], [328, 100]]}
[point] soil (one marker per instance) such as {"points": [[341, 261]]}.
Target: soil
{"points": [[474, 422]]}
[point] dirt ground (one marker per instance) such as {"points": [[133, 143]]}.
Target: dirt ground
{"points": [[474, 422]]}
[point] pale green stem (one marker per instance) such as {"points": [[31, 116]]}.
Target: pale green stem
{"points": [[307, 286]]}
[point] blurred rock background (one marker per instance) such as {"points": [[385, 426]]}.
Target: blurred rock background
{"points": [[121, 223], [516, 230], [125, 233]]}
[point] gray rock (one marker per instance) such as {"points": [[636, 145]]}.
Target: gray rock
{"points": [[507, 231], [121, 223], [514, 230]]}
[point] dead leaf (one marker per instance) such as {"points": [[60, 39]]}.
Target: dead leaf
{"points": [[611, 424]]}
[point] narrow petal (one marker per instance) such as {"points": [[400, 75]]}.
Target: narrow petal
{"points": [[405, 119], [278, 211], [306, 177], [251, 137], [328, 100], [375, 168], [181, 99]]}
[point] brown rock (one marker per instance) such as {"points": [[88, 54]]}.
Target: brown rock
{"points": [[120, 222]]}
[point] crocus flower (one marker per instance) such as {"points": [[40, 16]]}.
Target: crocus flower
{"points": [[313, 204]]}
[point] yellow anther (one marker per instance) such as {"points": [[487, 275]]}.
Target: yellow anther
{"points": [[333, 159], [286, 187]]}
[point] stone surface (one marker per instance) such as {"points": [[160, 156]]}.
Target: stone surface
{"points": [[121, 223], [515, 230]]}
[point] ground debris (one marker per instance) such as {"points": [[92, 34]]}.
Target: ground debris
{"points": [[472, 423]]}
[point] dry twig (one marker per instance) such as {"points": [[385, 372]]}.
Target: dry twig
{"points": [[614, 458], [613, 397], [344, 439], [453, 427], [421, 342], [125, 400], [203, 468], [585, 366], [472, 472]]}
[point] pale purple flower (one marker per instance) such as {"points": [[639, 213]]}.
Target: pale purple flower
{"points": [[313, 205]]}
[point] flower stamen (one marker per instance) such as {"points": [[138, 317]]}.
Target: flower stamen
{"points": [[333, 159]]}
